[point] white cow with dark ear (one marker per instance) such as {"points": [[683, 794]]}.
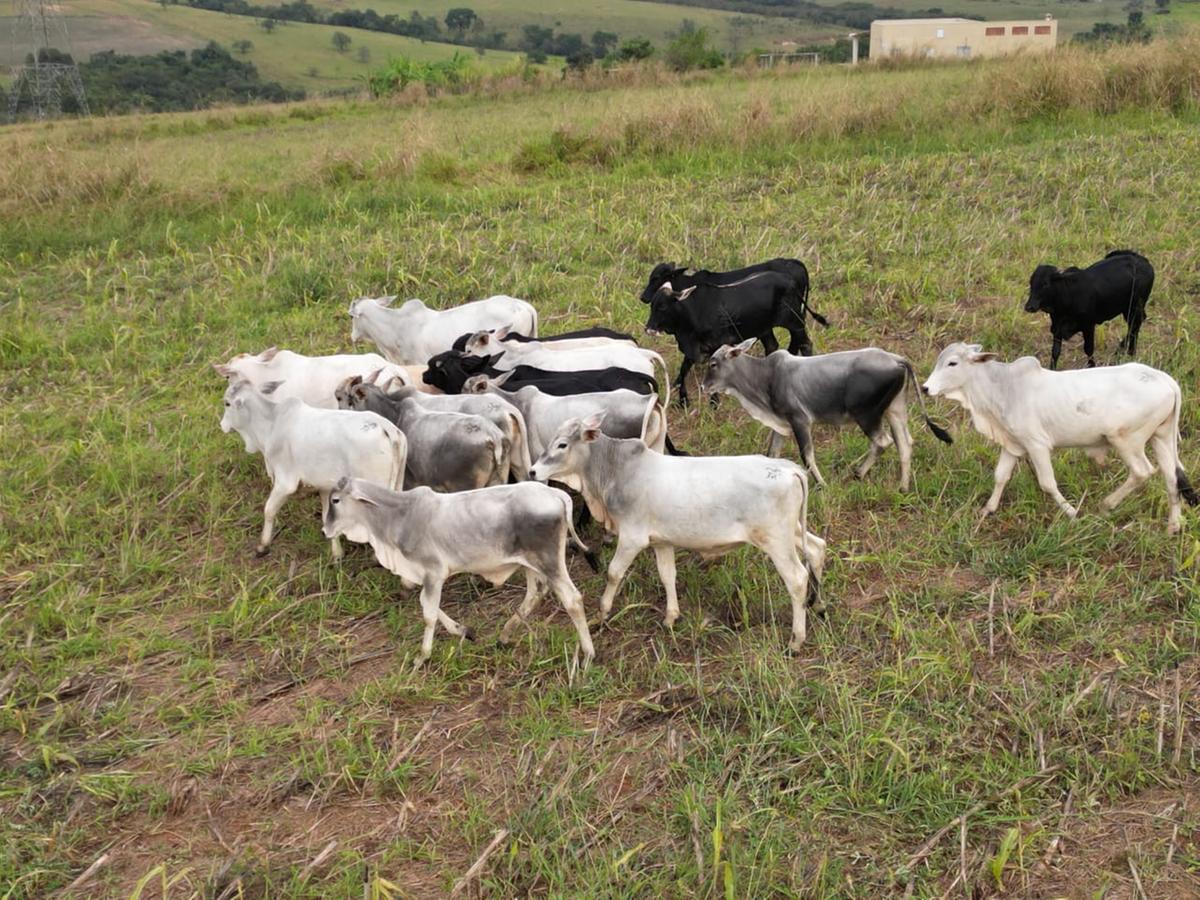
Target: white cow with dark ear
{"points": [[1030, 411], [412, 333], [301, 444]]}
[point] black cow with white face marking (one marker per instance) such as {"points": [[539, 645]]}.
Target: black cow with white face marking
{"points": [[1080, 299]]}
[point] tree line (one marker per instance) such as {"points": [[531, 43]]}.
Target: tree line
{"points": [[170, 81]]}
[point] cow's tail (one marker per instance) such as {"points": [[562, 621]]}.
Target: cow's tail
{"points": [[814, 583], [569, 511], [520, 447], [658, 443], [657, 359], [1182, 484], [500, 447], [399, 445], [940, 433], [817, 317]]}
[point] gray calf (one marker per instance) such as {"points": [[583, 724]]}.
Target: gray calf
{"points": [[789, 394], [450, 451], [357, 393], [426, 537]]}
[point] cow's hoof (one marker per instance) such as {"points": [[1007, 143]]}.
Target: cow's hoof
{"points": [[260, 552], [669, 622], [468, 633]]}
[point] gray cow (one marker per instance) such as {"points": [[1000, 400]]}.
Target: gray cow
{"points": [[789, 394], [357, 393], [426, 537], [451, 451]]}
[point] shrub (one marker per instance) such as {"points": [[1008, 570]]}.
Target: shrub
{"points": [[691, 50]]}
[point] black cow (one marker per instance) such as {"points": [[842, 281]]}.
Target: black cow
{"points": [[1080, 299], [705, 317], [682, 277], [461, 343], [448, 372]]}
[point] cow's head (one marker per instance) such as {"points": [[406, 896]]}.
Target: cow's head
{"points": [[1043, 285], [449, 370], [955, 366], [721, 366], [664, 309], [481, 384], [659, 275], [349, 505], [344, 392], [238, 414], [358, 331], [487, 343], [567, 452]]}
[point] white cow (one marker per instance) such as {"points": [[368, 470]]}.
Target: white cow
{"points": [[301, 444], [507, 355], [1030, 411], [412, 333], [626, 413], [426, 537], [710, 504], [313, 379]]}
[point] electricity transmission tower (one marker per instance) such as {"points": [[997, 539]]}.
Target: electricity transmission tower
{"points": [[49, 71]]}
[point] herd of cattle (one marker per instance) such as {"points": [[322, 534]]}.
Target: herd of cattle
{"points": [[436, 452]]}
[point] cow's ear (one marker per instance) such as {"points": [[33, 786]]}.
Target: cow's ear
{"points": [[589, 428], [983, 357], [223, 370], [501, 333], [493, 359], [268, 354], [359, 391], [476, 384], [270, 387], [386, 301], [360, 495], [743, 347], [686, 292]]}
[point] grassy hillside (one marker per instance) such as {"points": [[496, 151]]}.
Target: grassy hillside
{"points": [[628, 18], [289, 54], [1010, 704]]}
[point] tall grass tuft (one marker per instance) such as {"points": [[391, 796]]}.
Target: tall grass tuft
{"points": [[1162, 76]]}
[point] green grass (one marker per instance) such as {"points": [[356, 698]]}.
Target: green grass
{"points": [[290, 54], [202, 718]]}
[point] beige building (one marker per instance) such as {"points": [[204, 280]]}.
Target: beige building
{"points": [[960, 38]]}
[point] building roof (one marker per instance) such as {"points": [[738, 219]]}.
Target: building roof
{"points": [[923, 21]]}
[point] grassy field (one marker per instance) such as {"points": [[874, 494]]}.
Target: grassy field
{"points": [[294, 54], [1007, 708]]}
